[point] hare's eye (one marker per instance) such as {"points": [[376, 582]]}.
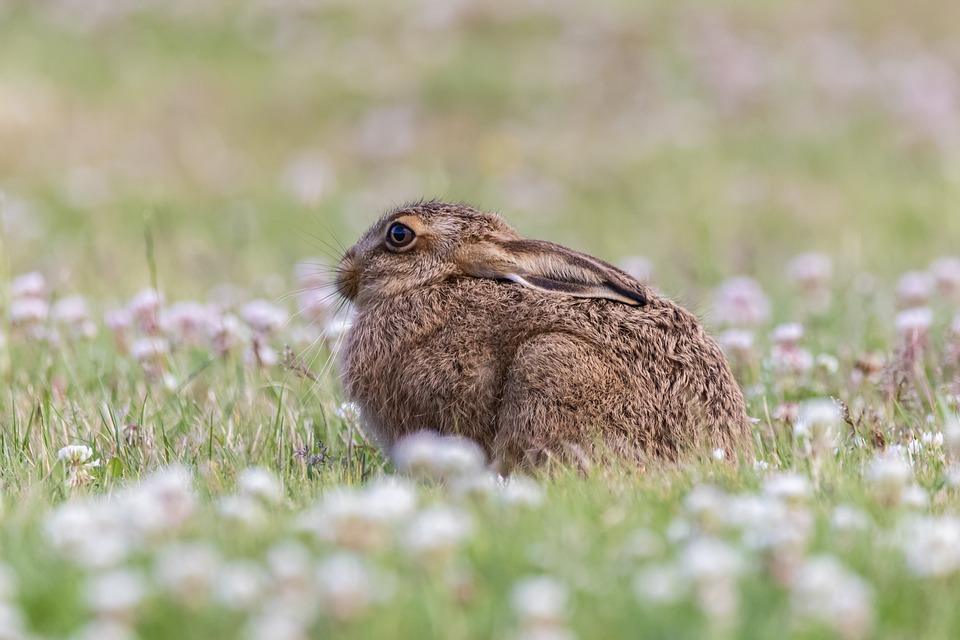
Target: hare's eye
{"points": [[400, 236]]}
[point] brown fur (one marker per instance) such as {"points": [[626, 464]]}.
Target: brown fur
{"points": [[527, 347]]}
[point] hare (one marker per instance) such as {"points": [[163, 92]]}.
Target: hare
{"points": [[529, 348]]}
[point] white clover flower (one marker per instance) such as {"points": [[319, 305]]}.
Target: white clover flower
{"points": [[740, 302], [263, 317], [161, 502], [361, 518], [29, 285], [292, 577], [818, 425], [89, 533], [847, 519], [521, 491], [276, 625], [115, 594], [187, 571], [347, 586], [769, 522], [427, 454], [661, 584], [540, 601], [719, 454], [824, 591], [706, 559], [827, 363], [889, 474], [105, 629], [931, 545], [242, 509], [78, 461], [149, 349], [240, 585], [262, 484], [791, 488], [713, 567], [76, 455], [435, 534], [12, 622], [761, 466], [707, 506]]}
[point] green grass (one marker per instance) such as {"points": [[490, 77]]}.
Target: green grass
{"points": [[154, 149]]}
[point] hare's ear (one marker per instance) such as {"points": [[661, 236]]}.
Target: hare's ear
{"points": [[551, 268]]}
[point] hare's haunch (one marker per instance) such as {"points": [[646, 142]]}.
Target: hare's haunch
{"points": [[525, 346]]}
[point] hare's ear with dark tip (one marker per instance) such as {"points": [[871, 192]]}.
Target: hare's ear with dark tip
{"points": [[551, 268]]}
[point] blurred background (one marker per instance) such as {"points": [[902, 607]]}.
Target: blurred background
{"points": [[225, 140]]}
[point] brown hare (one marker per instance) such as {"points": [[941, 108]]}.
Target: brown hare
{"points": [[529, 348]]}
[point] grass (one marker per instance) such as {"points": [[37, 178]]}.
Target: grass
{"points": [[184, 150]]}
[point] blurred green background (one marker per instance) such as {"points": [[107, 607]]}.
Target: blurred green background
{"points": [[715, 138]]}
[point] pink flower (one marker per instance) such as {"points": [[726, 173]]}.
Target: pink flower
{"points": [[29, 285], [915, 289], [946, 275], [740, 302], [263, 317], [145, 309]]}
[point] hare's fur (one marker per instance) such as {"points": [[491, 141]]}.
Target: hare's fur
{"points": [[525, 372]]}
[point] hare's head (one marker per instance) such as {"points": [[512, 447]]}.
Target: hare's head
{"points": [[429, 242]]}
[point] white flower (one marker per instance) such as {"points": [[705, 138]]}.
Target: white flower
{"points": [[347, 586], [115, 594], [77, 459], [262, 484], [243, 509], [163, 501], [186, 321], [719, 454], [12, 622], [89, 533], [660, 584], [791, 488], [889, 474], [847, 519], [149, 349], [931, 545], [437, 533], [240, 585], [187, 571], [361, 518], [76, 455], [707, 559], [818, 424], [263, 317], [276, 625], [827, 593], [540, 601], [428, 454], [521, 491]]}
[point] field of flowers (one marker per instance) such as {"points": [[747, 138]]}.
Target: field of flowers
{"points": [[177, 176]]}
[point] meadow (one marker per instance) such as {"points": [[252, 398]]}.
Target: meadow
{"points": [[177, 459]]}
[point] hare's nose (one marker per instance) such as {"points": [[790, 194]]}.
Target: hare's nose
{"points": [[348, 275]]}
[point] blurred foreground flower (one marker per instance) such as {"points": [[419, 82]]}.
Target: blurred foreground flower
{"points": [[740, 302]]}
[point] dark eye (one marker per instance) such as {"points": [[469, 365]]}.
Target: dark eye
{"points": [[400, 236]]}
